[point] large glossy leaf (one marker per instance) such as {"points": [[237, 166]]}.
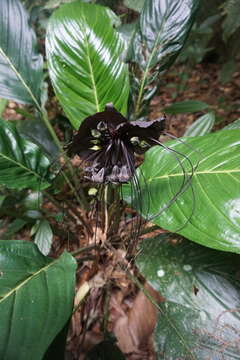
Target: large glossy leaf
{"points": [[209, 212], [20, 62], [84, 56], [162, 30], [202, 125], [36, 299], [200, 318], [22, 163], [36, 131], [160, 34]]}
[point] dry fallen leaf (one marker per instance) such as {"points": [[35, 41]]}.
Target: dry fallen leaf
{"points": [[134, 328]]}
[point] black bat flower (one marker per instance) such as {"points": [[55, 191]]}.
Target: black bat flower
{"points": [[107, 141]]}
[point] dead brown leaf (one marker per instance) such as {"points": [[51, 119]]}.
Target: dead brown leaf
{"points": [[134, 328]]}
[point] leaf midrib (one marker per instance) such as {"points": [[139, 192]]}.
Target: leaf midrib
{"points": [[20, 165], [16, 288], [208, 172], [139, 99], [94, 85], [20, 78]]}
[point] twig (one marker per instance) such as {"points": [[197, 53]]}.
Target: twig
{"points": [[106, 310], [106, 219], [85, 249]]}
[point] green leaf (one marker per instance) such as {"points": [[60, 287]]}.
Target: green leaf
{"points": [[200, 318], [232, 20], [126, 30], [36, 299], [160, 34], [227, 71], [57, 349], [44, 236], [136, 5], [20, 62], [36, 131], [187, 106], [84, 56], [115, 20], [162, 30], [2, 198], [209, 213], [234, 125], [201, 126], [13, 228], [3, 104], [51, 4], [22, 163], [32, 201]]}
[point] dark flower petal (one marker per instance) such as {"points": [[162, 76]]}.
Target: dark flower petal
{"points": [[114, 175], [82, 140], [107, 142], [98, 176], [125, 174], [144, 130]]}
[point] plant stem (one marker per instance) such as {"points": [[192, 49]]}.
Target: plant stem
{"points": [[115, 212], [149, 229], [51, 129], [85, 249], [82, 220], [106, 310], [140, 94], [106, 219], [82, 201]]}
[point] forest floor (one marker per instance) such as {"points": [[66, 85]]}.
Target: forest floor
{"points": [[132, 327]]}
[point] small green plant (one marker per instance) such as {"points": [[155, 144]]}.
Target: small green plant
{"points": [[187, 186]]}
